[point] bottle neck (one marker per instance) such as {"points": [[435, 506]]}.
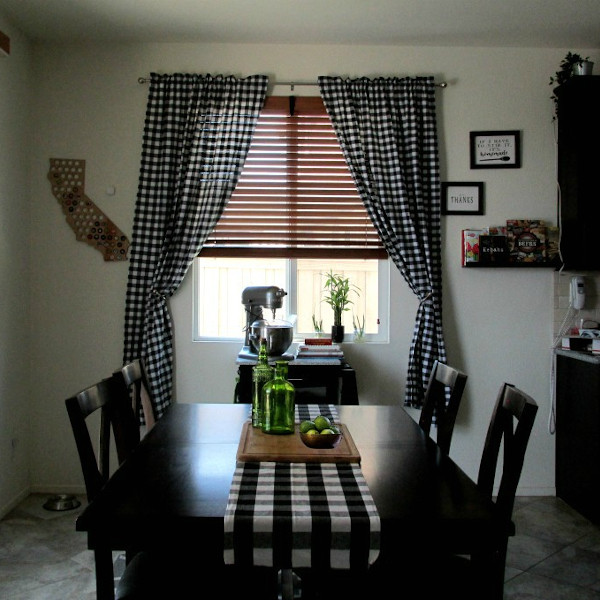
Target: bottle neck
{"points": [[263, 357], [281, 370]]}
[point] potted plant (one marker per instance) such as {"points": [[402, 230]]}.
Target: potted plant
{"points": [[317, 325], [571, 64], [338, 290], [359, 328]]}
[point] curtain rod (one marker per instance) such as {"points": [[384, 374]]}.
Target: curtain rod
{"points": [[442, 84], [292, 84]]}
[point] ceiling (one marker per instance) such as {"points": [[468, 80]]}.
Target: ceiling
{"points": [[573, 24]]}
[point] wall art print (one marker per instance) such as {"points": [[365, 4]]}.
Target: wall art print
{"points": [[495, 149], [89, 223]]}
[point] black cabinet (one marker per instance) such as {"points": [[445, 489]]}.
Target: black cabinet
{"points": [[578, 167], [578, 432], [333, 383]]}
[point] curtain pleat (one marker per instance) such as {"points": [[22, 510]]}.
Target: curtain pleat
{"points": [[387, 130], [197, 133]]}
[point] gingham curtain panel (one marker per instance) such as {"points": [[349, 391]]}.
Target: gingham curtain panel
{"points": [[387, 130], [196, 137]]}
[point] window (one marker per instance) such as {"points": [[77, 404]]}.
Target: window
{"points": [[219, 282], [294, 215]]}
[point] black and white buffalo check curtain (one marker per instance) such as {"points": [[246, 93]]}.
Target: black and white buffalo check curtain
{"points": [[196, 137], [387, 130]]}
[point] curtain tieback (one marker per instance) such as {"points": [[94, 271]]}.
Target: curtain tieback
{"points": [[426, 298], [155, 292]]}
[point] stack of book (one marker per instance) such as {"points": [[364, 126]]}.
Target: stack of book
{"points": [[520, 241], [319, 351]]}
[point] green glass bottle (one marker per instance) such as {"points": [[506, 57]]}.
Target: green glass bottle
{"points": [[278, 406], [261, 373]]}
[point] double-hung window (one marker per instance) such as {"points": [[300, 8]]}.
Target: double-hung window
{"points": [[294, 216]]}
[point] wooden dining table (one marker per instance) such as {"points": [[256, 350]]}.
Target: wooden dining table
{"points": [[173, 491]]}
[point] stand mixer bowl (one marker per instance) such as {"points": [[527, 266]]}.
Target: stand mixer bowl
{"points": [[278, 334]]}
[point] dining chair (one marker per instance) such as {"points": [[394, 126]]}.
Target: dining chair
{"points": [[136, 379], [109, 400], [153, 574], [441, 407], [440, 574], [510, 428]]}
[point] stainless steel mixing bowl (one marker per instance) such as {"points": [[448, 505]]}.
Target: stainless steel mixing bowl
{"points": [[61, 502], [278, 334]]}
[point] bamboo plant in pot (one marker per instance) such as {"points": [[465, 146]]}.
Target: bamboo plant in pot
{"points": [[338, 291]]}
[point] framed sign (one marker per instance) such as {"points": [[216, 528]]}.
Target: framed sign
{"points": [[462, 198], [495, 149]]}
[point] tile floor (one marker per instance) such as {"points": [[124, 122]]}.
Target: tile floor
{"points": [[554, 556]]}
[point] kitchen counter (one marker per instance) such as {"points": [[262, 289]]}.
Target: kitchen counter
{"points": [[578, 431], [577, 355]]}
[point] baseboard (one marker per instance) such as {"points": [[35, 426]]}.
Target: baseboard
{"points": [[536, 491], [12, 504], [75, 490]]}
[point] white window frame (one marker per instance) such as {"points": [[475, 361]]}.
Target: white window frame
{"points": [[382, 336]]}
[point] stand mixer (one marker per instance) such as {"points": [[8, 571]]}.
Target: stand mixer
{"points": [[254, 299]]}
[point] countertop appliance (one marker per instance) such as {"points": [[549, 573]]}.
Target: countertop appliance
{"points": [[254, 299]]}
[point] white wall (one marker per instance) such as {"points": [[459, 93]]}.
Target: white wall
{"points": [[15, 200], [498, 322]]}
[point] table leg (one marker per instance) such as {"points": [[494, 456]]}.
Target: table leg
{"points": [[289, 585], [105, 581], [349, 392], [286, 585]]}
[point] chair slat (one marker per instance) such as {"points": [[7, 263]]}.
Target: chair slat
{"points": [[440, 405]]}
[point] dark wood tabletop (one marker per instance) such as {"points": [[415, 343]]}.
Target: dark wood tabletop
{"points": [[173, 490]]}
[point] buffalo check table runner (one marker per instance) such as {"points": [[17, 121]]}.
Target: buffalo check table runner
{"points": [[293, 515], [308, 412]]}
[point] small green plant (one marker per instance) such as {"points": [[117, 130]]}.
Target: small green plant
{"points": [[317, 324], [564, 73], [338, 290], [359, 328]]}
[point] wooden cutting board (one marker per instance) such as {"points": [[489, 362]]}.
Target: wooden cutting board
{"points": [[258, 446]]}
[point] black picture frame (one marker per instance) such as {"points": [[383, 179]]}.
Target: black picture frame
{"points": [[495, 149], [462, 198]]}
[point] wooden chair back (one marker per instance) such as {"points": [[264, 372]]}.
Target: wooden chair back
{"points": [[110, 398], [135, 378], [511, 424], [439, 405]]}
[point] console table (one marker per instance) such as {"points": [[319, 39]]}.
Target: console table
{"points": [[332, 381]]}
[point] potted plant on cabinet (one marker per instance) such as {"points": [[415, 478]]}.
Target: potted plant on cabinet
{"points": [[572, 64], [338, 290]]}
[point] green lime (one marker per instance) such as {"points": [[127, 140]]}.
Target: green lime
{"points": [[306, 426], [334, 429], [327, 431], [322, 422], [311, 432]]}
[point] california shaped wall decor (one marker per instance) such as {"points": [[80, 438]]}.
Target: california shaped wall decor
{"points": [[89, 223]]}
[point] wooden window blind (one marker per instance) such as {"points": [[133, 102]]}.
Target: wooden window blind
{"points": [[295, 197]]}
